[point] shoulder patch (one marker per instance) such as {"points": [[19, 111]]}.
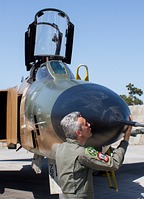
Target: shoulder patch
{"points": [[91, 151], [103, 157]]}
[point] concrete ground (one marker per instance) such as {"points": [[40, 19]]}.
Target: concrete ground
{"points": [[130, 177], [18, 180]]}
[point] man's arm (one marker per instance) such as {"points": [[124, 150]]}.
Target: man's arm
{"points": [[99, 161]]}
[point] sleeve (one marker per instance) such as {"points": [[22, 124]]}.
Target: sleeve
{"points": [[99, 161]]}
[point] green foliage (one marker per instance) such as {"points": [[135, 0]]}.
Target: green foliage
{"points": [[132, 98]]}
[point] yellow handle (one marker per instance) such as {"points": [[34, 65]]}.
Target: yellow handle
{"points": [[77, 73]]}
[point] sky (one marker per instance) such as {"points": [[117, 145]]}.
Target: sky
{"points": [[108, 38]]}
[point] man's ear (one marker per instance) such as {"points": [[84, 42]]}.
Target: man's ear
{"points": [[78, 133]]}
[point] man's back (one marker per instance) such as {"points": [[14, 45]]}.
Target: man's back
{"points": [[74, 179]]}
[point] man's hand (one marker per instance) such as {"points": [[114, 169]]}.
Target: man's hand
{"points": [[128, 131]]}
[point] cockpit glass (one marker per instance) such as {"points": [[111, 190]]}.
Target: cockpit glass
{"points": [[58, 67], [43, 74], [55, 69]]}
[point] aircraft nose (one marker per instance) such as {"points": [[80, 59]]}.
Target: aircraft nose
{"points": [[101, 107]]}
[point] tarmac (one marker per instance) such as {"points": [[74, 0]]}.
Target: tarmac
{"points": [[19, 181]]}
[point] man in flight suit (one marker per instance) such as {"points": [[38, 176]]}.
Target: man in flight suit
{"points": [[75, 163]]}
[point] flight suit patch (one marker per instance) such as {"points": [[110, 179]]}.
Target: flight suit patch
{"points": [[103, 157], [91, 151]]}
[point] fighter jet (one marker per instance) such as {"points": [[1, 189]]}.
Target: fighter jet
{"points": [[31, 115]]}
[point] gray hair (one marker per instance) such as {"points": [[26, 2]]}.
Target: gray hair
{"points": [[70, 124]]}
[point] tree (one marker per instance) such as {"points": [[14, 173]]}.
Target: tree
{"points": [[131, 99]]}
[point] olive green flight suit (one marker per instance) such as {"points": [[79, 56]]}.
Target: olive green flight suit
{"points": [[75, 164]]}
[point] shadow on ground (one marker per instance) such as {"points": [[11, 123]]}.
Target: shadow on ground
{"points": [[126, 187], [25, 181]]}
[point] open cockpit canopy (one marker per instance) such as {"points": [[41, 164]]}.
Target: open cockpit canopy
{"points": [[49, 36]]}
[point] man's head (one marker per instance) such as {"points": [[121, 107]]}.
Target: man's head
{"points": [[76, 127]]}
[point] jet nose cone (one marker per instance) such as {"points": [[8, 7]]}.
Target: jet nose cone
{"points": [[101, 107]]}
